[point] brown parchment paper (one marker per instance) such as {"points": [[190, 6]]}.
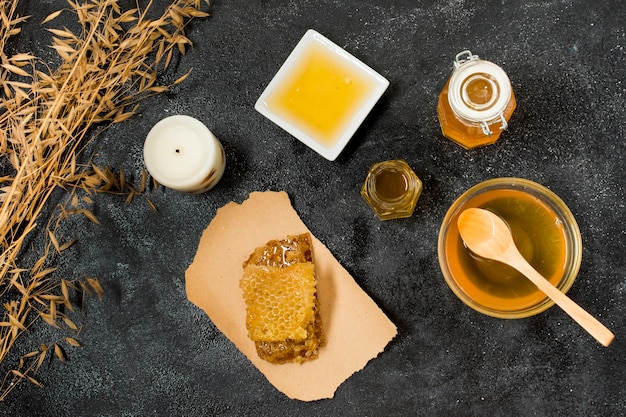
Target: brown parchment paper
{"points": [[356, 329]]}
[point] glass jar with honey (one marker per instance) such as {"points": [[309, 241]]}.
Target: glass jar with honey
{"points": [[392, 189], [476, 103]]}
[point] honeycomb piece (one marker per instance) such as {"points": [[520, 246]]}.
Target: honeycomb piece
{"points": [[282, 253], [281, 301], [279, 288]]}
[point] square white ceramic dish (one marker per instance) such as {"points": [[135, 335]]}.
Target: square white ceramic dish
{"points": [[342, 81]]}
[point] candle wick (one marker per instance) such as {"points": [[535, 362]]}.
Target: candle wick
{"points": [[177, 150]]}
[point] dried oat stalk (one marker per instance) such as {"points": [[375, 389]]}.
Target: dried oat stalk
{"points": [[46, 119]]}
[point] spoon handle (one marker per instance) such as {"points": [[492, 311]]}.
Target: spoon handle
{"points": [[582, 317]]}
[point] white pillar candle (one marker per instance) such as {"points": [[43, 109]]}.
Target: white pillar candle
{"points": [[181, 153]]}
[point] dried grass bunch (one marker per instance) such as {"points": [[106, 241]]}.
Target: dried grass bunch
{"points": [[46, 119]]}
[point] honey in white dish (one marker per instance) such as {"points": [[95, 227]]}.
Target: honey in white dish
{"points": [[322, 94]]}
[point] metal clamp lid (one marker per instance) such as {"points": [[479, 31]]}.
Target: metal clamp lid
{"points": [[458, 61]]}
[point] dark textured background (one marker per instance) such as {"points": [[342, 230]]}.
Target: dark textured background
{"points": [[148, 351]]}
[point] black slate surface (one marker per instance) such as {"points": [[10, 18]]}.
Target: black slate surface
{"points": [[148, 351]]}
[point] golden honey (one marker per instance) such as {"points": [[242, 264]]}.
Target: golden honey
{"points": [[476, 103], [480, 91], [322, 95], [391, 185], [392, 189], [282, 310], [539, 236]]}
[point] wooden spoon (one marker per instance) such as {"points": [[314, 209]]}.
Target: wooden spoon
{"points": [[487, 235]]}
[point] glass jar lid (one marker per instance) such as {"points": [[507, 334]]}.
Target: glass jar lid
{"points": [[479, 90]]}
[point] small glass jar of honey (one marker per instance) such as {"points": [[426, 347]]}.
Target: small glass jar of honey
{"points": [[476, 103], [392, 189]]}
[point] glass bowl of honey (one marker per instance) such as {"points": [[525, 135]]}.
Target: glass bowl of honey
{"points": [[544, 231]]}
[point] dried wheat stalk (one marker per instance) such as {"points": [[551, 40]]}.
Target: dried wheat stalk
{"points": [[46, 119]]}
